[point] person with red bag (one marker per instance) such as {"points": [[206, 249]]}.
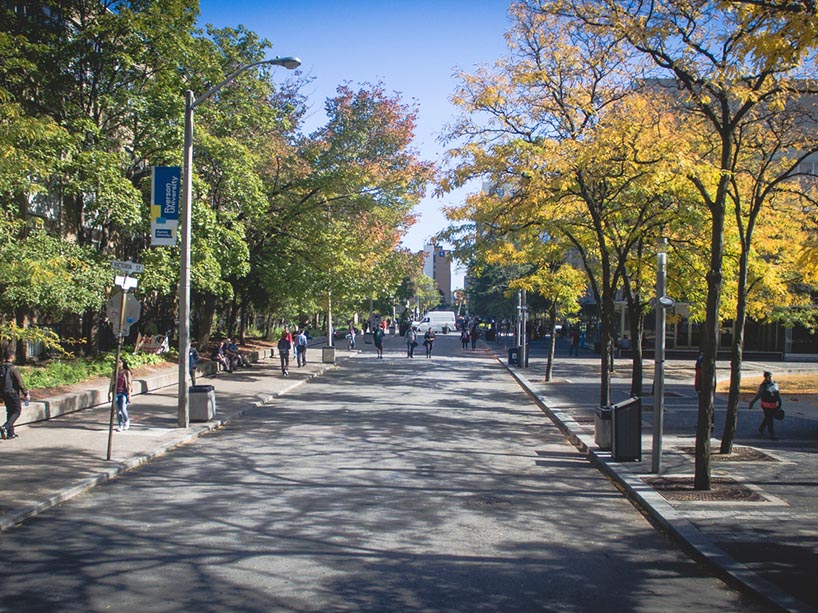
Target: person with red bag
{"points": [[770, 398]]}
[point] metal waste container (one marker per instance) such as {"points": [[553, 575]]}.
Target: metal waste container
{"points": [[602, 428], [202, 402], [514, 356], [626, 430]]}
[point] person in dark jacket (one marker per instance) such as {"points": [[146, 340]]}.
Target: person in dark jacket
{"points": [[429, 341], [285, 343], [12, 387], [770, 398]]}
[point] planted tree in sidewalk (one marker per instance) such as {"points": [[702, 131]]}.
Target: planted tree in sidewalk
{"points": [[559, 283], [559, 125], [727, 60]]}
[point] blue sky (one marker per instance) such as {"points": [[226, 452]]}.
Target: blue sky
{"points": [[413, 47]]}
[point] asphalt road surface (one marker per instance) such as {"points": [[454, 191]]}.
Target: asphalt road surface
{"points": [[383, 485]]}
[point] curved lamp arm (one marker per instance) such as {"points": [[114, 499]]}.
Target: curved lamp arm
{"points": [[290, 63]]}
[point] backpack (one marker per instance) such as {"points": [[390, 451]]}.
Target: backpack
{"points": [[768, 396], [283, 344], [6, 382]]}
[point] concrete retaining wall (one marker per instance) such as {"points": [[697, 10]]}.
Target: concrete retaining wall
{"points": [[97, 395]]}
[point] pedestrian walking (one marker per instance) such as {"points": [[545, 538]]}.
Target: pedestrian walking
{"points": [[411, 342], [301, 348], [12, 389], [351, 337], [285, 343], [192, 362], [464, 337], [574, 348], [474, 334], [122, 388], [429, 341], [377, 338], [770, 398]]}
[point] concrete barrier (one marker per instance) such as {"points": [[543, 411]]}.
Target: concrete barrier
{"points": [[97, 393]]}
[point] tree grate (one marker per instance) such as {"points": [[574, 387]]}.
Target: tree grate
{"points": [[739, 454], [722, 489]]}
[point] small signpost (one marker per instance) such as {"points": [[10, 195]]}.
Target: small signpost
{"points": [[123, 310]]}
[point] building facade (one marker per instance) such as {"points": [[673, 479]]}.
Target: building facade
{"points": [[437, 264]]}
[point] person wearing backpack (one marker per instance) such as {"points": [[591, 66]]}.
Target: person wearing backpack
{"points": [[12, 389], [770, 403], [301, 348], [411, 343], [377, 338]]}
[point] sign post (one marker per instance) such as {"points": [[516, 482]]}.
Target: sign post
{"points": [[122, 317]]}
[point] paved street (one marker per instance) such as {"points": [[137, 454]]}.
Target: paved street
{"points": [[424, 485]]}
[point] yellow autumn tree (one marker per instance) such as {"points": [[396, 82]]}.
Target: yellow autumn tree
{"points": [[560, 130], [730, 63]]}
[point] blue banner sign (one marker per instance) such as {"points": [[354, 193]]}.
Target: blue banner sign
{"points": [[165, 186]]}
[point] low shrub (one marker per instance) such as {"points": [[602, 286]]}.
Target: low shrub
{"points": [[67, 371]]}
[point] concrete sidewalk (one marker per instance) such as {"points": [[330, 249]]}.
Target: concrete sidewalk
{"points": [[757, 526], [55, 460]]}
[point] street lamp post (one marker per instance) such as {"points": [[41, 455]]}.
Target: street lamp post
{"points": [[662, 303], [191, 103]]}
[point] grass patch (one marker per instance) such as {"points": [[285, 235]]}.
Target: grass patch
{"points": [[789, 384]]}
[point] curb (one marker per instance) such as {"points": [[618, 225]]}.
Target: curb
{"points": [[657, 510]]}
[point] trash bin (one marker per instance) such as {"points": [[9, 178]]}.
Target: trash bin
{"points": [[202, 402], [626, 430], [328, 355], [514, 356], [602, 428]]}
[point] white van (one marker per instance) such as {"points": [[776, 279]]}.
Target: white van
{"points": [[439, 321]]}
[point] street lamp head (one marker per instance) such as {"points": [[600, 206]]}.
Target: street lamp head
{"points": [[289, 62]]}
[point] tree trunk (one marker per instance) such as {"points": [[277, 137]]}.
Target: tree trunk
{"points": [[243, 321], [736, 358], [21, 347], [606, 348], [710, 347], [552, 343], [637, 325], [232, 315], [208, 312]]}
